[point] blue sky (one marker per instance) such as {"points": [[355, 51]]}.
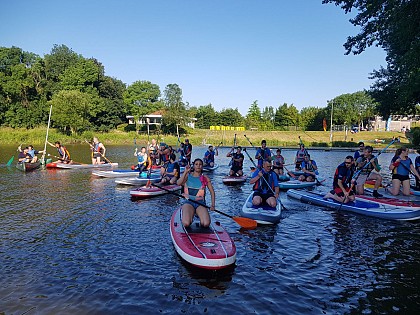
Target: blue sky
{"points": [[225, 52]]}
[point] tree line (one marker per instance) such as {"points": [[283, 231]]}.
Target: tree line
{"points": [[84, 98]]}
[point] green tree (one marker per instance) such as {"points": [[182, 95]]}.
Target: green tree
{"points": [[393, 25], [142, 98], [267, 118], [286, 116], [253, 117], [175, 109], [72, 110], [231, 117], [311, 119], [206, 117]]}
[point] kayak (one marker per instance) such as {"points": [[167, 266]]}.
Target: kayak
{"points": [[366, 205], [233, 180], [210, 168], [152, 191], [79, 165], [140, 181], [208, 248], [263, 214], [27, 167]]}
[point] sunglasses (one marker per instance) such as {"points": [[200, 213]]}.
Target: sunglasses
{"points": [[348, 162]]}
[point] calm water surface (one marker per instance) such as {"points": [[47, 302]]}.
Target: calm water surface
{"points": [[71, 243]]}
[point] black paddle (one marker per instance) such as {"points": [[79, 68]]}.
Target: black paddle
{"points": [[246, 223]]}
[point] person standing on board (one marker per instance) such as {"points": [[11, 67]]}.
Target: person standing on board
{"points": [[62, 152], [401, 167], [152, 149], [188, 150], [343, 181], [263, 154], [195, 184], [237, 162], [98, 151], [266, 186], [366, 168], [300, 156]]}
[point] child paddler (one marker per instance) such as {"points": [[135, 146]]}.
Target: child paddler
{"points": [[141, 159]]}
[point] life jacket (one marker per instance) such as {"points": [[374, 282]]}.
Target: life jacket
{"points": [[367, 168], [96, 148], [300, 155], [173, 167], [309, 167], [63, 152], [261, 184], [346, 178], [142, 159], [403, 167], [209, 157], [279, 160], [195, 187], [236, 163]]}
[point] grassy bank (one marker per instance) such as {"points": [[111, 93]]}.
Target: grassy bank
{"points": [[201, 136]]}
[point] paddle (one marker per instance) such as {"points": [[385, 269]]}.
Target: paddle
{"points": [[279, 199], [13, 157], [246, 223], [234, 145], [356, 175], [10, 161], [306, 154], [106, 159]]}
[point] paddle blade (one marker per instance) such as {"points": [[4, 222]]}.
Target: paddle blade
{"points": [[245, 222], [10, 161]]}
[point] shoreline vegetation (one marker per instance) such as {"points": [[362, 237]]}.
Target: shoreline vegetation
{"points": [[281, 139]]}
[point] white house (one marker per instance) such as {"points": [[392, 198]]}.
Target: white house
{"points": [[155, 118]]}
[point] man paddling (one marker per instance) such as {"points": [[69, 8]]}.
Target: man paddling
{"points": [[266, 186], [342, 183], [366, 163], [237, 162]]}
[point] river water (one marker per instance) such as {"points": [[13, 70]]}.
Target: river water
{"points": [[71, 243]]}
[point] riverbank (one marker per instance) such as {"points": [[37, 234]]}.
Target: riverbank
{"points": [[284, 139]]}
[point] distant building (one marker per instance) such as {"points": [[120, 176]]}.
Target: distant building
{"points": [[155, 118], [396, 123]]}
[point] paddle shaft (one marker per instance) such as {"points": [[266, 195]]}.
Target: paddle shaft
{"points": [[265, 180], [199, 203]]}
